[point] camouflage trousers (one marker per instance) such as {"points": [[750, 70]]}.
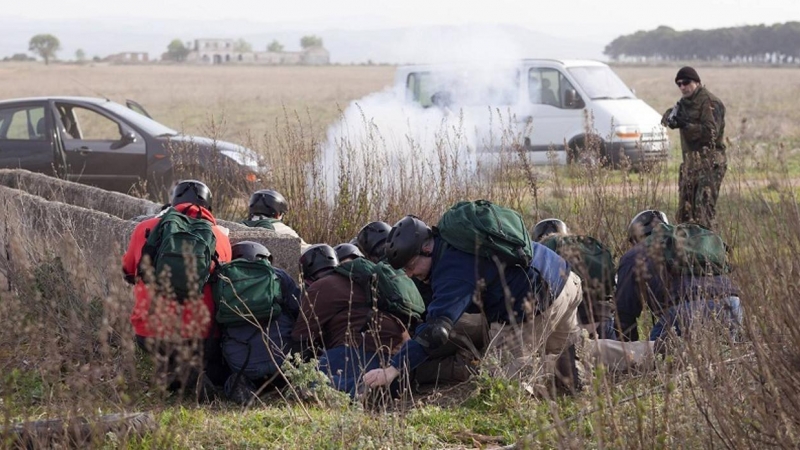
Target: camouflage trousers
{"points": [[699, 183]]}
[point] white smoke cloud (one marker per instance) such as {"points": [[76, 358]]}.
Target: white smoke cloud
{"points": [[468, 106]]}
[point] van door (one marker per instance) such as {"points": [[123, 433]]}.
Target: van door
{"points": [[25, 138], [554, 120]]}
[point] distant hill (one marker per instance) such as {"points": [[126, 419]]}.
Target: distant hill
{"points": [[102, 37]]}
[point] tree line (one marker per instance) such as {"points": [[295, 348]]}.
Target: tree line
{"points": [[777, 44], [46, 46]]}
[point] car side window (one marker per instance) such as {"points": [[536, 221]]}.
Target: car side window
{"points": [[23, 123], [88, 125]]}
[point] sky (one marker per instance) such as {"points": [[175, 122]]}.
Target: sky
{"points": [[566, 18]]}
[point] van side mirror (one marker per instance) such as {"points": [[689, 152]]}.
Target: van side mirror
{"points": [[573, 100]]}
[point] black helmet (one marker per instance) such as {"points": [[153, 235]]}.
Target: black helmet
{"points": [[642, 225], [548, 226], [267, 202], [316, 258], [405, 241], [344, 251], [372, 236], [191, 191], [251, 251]]}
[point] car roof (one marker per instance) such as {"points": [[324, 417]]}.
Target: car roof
{"points": [[92, 100], [511, 62]]}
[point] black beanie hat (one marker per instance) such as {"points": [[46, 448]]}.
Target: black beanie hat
{"points": [[687, 73]]}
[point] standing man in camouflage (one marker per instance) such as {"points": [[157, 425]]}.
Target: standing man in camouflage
{"points": [[700, 116]]}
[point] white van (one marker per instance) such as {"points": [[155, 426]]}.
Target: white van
{"points": [[557, 99]]}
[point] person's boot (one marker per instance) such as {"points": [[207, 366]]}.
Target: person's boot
{"points": [[567, 377], [205, 391], [239, 389]]}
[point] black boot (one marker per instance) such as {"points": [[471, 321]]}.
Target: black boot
{"points": [[568, 379]]}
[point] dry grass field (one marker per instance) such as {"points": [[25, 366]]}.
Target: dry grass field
{"points": [[66, 353], [251, 99]]}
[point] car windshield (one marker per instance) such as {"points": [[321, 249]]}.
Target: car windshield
{"points": [[600, 82], [147, 125]]}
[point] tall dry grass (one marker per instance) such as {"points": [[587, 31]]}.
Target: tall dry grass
{"points": [[68, 351]]}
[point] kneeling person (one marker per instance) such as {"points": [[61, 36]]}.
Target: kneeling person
{"points": [[337, 314], [168, 318], [258, 305], [594, 263], [267, 209], [457, 273]]}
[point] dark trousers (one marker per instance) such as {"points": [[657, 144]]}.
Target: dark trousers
{"points": [[699, 183], [346, 366], [452, 361], [179, 364]]}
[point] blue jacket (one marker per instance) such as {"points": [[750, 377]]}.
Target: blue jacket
{"points": [[237, 339], [640, 281], [454, 281]]}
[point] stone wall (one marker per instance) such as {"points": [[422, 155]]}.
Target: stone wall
{"points": [[102, 221]]}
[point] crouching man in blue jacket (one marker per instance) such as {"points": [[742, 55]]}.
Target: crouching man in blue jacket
{"points": [[529, 308]]}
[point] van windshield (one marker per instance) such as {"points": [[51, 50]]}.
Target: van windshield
{"points": [[464, 88], [600, 83]]}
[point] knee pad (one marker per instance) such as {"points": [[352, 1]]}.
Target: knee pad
{"points": [[436, 334]]}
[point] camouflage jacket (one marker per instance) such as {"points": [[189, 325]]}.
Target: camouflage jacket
{"points": [[705, 117]]}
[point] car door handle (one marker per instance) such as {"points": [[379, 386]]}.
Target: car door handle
{"points": [[84, 150]]}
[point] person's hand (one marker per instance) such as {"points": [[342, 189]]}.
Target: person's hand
{"points": [[380, 377], [680, 122]]}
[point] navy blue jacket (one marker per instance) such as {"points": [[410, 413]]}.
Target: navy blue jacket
{"points": [[641, 281], [238, 338], [454, 281]]}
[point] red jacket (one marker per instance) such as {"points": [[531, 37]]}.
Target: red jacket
{"points": [[160, 321]]}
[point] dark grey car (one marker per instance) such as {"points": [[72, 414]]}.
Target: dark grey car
{"points": [[105, 144]]}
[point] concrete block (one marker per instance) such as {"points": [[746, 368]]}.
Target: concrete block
{"points": [[105, 218]]}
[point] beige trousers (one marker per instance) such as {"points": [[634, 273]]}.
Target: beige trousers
{"points": [[621, 356], [555, 329]]}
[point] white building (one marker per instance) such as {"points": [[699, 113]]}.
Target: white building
{"points": [[222, 51]]}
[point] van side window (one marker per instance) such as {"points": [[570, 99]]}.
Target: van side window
{"points": [[566, 86], [545, 87], [23, 123], [419, 85]]}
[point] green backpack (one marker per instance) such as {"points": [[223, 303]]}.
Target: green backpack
{"points": [[690, 249], [485, 229], [396, 293], [263, 223], [245, 289], [187, 247], [590, 259]]}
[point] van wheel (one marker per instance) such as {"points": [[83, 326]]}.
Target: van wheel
{"points": [[574, 149], [591, 151]]}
